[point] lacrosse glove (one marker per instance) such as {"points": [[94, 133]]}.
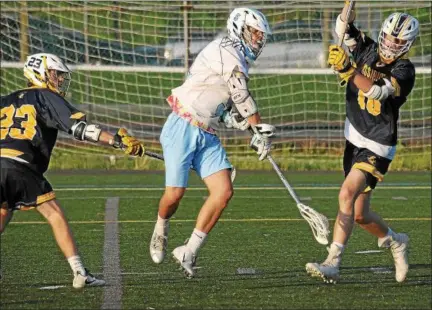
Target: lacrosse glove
{"points": [[130, 145], [233, 119], [340, 62], [260, 141]]}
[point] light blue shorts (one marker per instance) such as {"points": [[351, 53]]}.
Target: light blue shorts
{"points": [[185, 146]]}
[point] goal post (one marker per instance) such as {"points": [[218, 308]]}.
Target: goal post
{"points": [[126, 57]]}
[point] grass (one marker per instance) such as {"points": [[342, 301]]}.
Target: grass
{"points": [[276, 244]]}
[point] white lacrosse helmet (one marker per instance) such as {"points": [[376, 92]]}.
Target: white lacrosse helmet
{"points": [[398, 33], [37, 69], [239, 23]]}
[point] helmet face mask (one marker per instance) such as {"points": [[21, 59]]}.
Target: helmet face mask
{"points": [[48, 71], [396, 37], [391, 48], [250, 28], [59, 80], [254, 39]]}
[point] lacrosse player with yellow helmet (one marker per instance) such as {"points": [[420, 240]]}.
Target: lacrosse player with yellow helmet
{"points": [[215, 91], [378, 78], [31, 119]]}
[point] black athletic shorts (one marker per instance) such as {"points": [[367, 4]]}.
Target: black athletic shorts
{"points": [[22, 188], [373, 165]]}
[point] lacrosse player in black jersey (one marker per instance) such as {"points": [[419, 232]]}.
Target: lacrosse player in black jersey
{"points": [[30, 121], [378, 80]]}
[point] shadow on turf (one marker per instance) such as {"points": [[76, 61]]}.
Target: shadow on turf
{"points": [[298, 276]]}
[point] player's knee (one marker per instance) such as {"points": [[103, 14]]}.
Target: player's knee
{"points": [[5, 216], [346, 196], [51, 211], [223, 195], [227, 194], [360, 219], [174, 194]]}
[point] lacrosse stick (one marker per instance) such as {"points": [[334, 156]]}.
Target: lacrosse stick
{"points": [[317, 221], [348, 14], [160, 157]]}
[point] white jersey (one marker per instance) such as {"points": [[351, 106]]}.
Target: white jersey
{"points": [[205, 92]]}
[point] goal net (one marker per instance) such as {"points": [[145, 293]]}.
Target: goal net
{"points": [[126, 57]]}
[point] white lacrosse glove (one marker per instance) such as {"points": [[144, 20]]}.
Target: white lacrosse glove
{"points": [[233, 120], [260, 141]]}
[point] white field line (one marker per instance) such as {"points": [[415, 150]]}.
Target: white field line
{"points": [[400, 219], [112, 293], [242, 188]]}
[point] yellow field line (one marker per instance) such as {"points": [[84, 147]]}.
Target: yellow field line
{"points": [[235, 188], [220, 220]]}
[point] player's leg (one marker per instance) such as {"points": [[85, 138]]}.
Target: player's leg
{"points": [[212, 165], [6, 210], [54, 214], [5, 217], [178, 143], [28, 189], [220, 192], [387, 238], [168, 205], [366, 218], [354, 184]]}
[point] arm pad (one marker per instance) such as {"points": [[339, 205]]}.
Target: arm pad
{"points": [[380, 93], [244, 102], [81, 131], [342, 28]]}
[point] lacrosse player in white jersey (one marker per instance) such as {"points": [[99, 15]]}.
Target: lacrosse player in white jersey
{"points": [[217, 78]]}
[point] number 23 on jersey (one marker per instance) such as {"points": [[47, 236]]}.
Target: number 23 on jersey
{"points": [[25, 119]]}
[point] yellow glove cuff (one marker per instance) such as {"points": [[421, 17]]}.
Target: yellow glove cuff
{"points": [[346, 76]]}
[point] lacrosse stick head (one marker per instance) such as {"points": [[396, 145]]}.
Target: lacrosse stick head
{"points": [[317, 221]]}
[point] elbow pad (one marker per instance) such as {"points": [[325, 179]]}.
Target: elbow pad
{"points": [[81, 131], [380, 93], [244, 102]]}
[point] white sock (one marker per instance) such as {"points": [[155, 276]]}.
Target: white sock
{"points": [[196, 240], [384, 242], [162, 226], [76, 264], [339, 245]]}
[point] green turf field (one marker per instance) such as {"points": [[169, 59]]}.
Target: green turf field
{"points": [[261, 232]]}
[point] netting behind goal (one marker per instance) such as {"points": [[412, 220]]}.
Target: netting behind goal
{"points": [[128, 55]]}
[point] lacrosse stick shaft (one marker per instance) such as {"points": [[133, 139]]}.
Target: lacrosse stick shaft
{"points": [[284, 181], [154, 155], [348, 15]]}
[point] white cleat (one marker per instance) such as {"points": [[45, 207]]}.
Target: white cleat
{"points": [[184, 256], [399, 249], [158, 246], [329, 274], [329, 269], [88, 279]]}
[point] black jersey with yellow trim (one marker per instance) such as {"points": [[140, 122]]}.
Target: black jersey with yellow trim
{"points": [[30, 121], [377, 120]]}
